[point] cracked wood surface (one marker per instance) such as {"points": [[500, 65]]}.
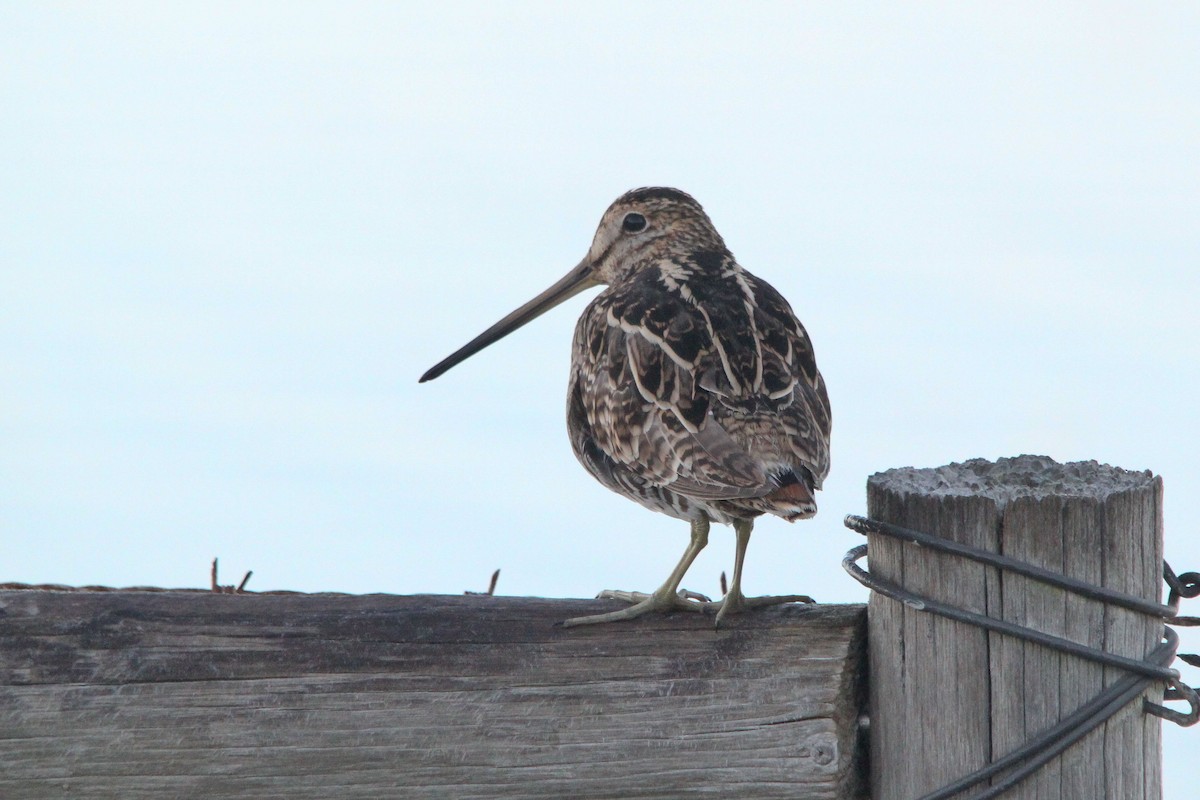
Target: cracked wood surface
{"points": [[947, 697], [171, 694]]}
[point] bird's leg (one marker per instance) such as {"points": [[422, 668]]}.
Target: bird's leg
{"points": [[734, 600], [667, 597]]}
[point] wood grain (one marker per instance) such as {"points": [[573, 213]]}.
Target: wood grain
{"points": [[946, 697], [140, 695]]}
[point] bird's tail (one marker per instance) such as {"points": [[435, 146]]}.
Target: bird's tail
{"points": [[793, 499]]}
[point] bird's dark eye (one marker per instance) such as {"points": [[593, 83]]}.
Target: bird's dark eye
{"points": [[633, 223]]}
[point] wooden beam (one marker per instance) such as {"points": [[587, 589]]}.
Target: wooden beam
{"points": [[174, 694], [948, 697]]}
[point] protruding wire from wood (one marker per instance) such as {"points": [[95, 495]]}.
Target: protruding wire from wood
{"points": [[491, 590], [230, 589]]}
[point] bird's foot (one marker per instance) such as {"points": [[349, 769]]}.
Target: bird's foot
{"points": [[735, 601], [682, 599], [642, 603]]}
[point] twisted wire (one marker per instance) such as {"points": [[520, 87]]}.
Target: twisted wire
{"points": [[1038, 751]]}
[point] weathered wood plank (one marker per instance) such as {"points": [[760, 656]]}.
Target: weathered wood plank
{"points": [[1133, 555], [942, 665], [142, 695], [1086, 520]]}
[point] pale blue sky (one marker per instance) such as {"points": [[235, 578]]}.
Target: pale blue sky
{"points": [[233, 236]]}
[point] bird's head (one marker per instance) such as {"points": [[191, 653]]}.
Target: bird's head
{"points": [[644, 226], [638, 230]]}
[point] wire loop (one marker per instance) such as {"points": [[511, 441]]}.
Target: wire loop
{"points": [[1035, 753]]}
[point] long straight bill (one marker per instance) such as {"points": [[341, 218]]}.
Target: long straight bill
{"points": [[571, 284]]}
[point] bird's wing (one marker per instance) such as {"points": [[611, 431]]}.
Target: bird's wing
{"points": [[641, 395], [790, 383], [700, 394]]}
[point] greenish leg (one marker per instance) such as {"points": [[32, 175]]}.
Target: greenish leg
{"points": [[667, 597], [734, 601]]}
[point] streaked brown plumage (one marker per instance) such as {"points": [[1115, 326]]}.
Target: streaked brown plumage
{"points": [[694, 389]]}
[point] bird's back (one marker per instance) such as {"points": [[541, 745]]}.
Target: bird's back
{"points": [[694, 389]]}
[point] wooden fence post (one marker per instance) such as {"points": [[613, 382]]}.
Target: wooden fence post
{"points": [[948, 697]]}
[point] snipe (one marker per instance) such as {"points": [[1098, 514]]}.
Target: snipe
{"points": [[694, 389]]}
